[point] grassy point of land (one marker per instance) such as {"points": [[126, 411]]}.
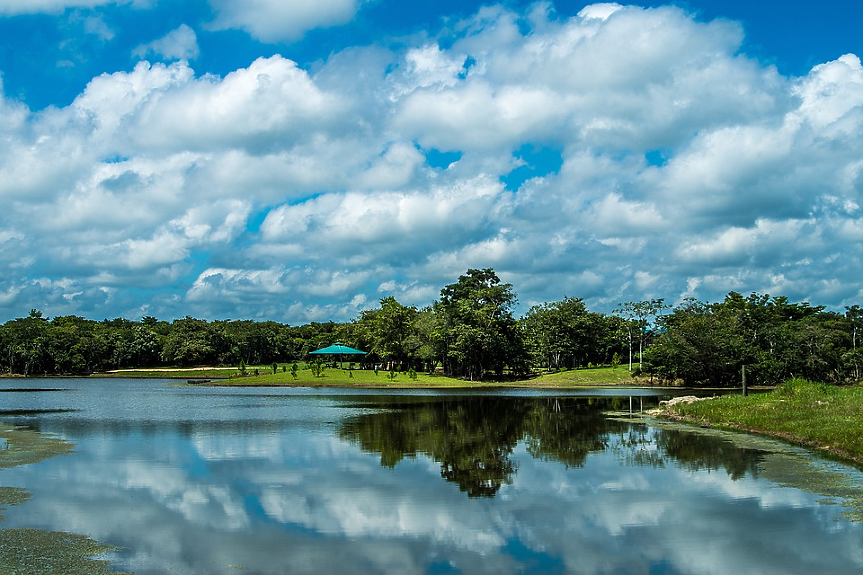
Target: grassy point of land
{"points": [[336, 377], [820, 416], [177, 372], [590, 377]]}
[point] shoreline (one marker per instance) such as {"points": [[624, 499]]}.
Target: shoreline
{"points": [[823, 418], [823, 449]]}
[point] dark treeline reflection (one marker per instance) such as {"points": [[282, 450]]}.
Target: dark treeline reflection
{"points": [[473, 438], [698, 451], [115, 428]]}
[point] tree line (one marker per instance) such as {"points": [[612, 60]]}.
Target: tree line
{"points": [[471, 332], [765, 339]]}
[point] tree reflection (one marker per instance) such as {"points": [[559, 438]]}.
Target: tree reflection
{"points": [[696, 451], [566, 430], [473, 438]]}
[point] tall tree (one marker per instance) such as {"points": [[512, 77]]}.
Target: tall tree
{"points": [[193, 342], [641, 317], [477, 332], [388, 331], [854, 316], [697, 347], [564, 333], [27, 344], [774, 339]]}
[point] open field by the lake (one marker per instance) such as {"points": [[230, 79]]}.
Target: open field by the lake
{"points": [[338, 377]]}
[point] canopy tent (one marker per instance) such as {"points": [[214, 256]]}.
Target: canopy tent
{"points": [[338, 349]]}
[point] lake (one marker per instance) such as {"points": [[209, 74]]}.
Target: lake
{"points": [[207, 480]]}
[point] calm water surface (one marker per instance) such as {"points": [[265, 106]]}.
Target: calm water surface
{"points": [[230, 480]]}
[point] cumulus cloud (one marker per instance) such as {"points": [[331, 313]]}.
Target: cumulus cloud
{"points": [[275, 20], [599, 11], [14, 7], [681, 167], [40, 6], [179, 44]]}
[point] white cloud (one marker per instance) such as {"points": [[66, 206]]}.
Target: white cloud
{"points": [[14, 7], [179, 44], [642, 78], [305, 189], [97, 26], [49, 6], [112, 98], [270, 104], [831, 93], [275, 20], [599, 11]]}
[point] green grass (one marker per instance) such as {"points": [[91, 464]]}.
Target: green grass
{"points": [[817, 415], [178, 372], [595, 376], [334, 377]]}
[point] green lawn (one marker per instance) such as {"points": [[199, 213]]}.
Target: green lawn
{"points": [[594, 376], [177, 372], [334, 377]]}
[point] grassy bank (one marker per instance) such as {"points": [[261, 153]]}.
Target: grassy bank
{"points": [[177, 372], [589, 377], [825, 417], [335, 377]]}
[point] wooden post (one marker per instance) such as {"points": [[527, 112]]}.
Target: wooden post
{"points": [[743, 377]]}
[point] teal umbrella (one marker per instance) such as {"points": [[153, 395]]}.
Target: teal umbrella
{"points": [[338, 349]]}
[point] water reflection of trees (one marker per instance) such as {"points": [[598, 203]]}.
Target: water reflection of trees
{"points": [[566, 430], [473, 438], [697, 451]]}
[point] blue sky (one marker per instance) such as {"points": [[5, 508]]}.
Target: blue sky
{"points": [[298, 161]]}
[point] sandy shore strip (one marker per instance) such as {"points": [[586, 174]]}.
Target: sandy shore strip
{"points": [[160, 369]]}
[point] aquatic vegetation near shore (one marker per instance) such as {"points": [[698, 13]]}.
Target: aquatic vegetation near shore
{"points": [[26, 551], [49, 552]]}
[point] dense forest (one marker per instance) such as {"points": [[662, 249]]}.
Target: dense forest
{"points": [[471, 332]]}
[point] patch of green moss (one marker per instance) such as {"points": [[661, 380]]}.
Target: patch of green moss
{"points": [[49, 552], [799, 473], [25, 446], [34, 551]]}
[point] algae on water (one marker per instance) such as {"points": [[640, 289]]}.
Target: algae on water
{"points": [[50, 552], [35, 551]]}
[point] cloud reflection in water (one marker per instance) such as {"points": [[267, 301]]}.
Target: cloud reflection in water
{"points": [[370, 493]]}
